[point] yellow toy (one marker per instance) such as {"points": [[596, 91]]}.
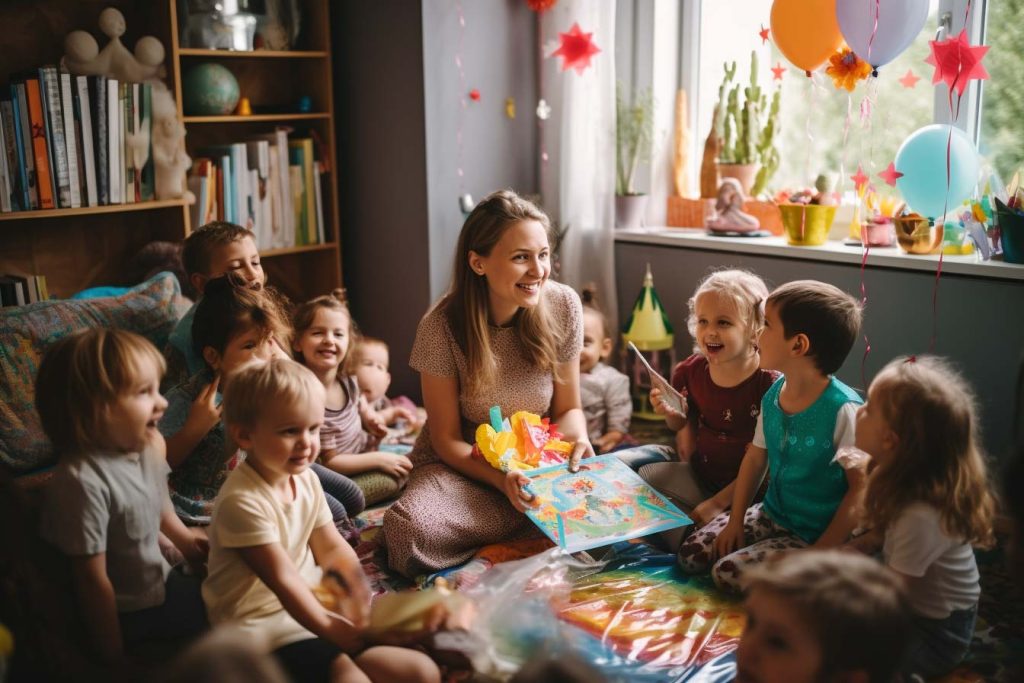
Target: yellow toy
{"points": [[523, 442]]}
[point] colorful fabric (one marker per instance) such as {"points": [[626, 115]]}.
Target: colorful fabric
{"points": [[26, 332]]}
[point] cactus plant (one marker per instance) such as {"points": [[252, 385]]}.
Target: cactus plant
{"points": [[748, 127]]}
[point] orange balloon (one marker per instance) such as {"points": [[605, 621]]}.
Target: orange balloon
{"points": [[806, 31]]}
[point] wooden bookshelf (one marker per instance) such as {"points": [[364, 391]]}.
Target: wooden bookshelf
{"points": [[89, 246]]}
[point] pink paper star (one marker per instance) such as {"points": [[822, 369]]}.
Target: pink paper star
{"points": [[890, 175], [956, 62], [576, 49], [910, 79], [764, 34], [859, 179], [777, 71]]}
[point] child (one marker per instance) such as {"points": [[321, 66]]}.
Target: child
{"points": [[928, 498], [323, 333], [723, 386], [98, 395], [822, 616], [272, 537], [368, 362], [210, 252], [232, 325], [806, 415], [604, 390]]}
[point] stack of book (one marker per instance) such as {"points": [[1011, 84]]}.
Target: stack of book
{"points": [[74, 141], [20, 290], [270, 184]]}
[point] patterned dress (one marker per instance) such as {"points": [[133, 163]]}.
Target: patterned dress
{"points": [[443, 517]]}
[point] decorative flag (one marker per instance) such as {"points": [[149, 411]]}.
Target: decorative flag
{"points": [[576, 49]]}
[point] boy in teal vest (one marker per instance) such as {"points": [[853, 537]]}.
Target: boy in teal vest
{"points": [[806, 416]]}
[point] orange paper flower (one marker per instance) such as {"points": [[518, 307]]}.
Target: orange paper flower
{"points": [[846, 68]]}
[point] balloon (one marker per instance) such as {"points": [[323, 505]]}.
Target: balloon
{"points": [[806, 31], [899, 22], [922, 161]]}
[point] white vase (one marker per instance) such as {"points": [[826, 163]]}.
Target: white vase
{"points": [[629, 210]]}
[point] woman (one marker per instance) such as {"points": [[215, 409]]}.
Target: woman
{"points": [[503, 335]]}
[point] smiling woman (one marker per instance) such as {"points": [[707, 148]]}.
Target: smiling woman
{"points": [[503, 335]]}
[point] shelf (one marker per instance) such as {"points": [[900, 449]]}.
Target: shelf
{"points": [[92, 210], [270, 253], [253, 54], [256, 117]]}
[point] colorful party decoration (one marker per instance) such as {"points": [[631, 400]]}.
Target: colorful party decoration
{"points": [[777, 71], [956, 62], [764, 35], [890, 175], [846, 69], [540, 6], [543, 110], [859, 179], [523, 442], [474, 95], [510, 107], [879, 30], [909, 79], [806, 31], [576, 49], [940, 167]]}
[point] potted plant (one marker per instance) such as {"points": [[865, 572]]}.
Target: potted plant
{"points": [[634, 131], [747, 130]]}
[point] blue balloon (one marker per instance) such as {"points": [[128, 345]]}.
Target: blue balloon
{"points": [[922, 161], [899, 23]]}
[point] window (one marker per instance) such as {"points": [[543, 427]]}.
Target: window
{"points": [[1001, 138]]}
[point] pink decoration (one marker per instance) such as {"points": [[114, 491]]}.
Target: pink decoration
{"points": [[777, 71], [859, 179], [764, 34], [890, 175], [576, 49], [909, 79], [540, 6], [474, 95], [956, 62]]}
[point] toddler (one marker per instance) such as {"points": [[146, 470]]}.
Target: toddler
{"points": [[806, 415], [98, 395], [323, 334], [927, 500], [722, 385], [822, 616], [368, 361], [211, 251], [272, 537], [604, 390]]}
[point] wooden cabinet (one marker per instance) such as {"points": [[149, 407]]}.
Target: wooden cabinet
{"points": [[78, 248]]}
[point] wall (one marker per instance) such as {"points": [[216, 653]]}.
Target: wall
{"points": [[979, 324]]}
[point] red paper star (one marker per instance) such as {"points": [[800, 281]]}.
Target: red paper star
{"points": [[956, 62], [777, 71], [576, 49], [890, 175], [474, 95], [859, 179], [764, 34], [910, 79]]}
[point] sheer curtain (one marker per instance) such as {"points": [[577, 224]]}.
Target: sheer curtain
{"points": [[578, 178]]}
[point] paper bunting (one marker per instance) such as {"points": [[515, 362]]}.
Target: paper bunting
{"points": [[859, 179], [909, 79], [890, 175], [777, 71], [764, 34], [576, 49], [956, 62]]}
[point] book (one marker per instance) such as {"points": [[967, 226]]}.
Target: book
{"points": [[40, 153], [70, 141], [603, 503], [19, 94], [83, 106], [147, 190], [9, 292], [668, 392], [6, 187], [55, 144], [114, 165], [258, 154], [19, 171], [318, 194], [295, 181], [301, 153], [11, 188], [98, 110], [124, 96], [283, 230]]}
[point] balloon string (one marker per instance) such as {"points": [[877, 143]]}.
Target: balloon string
{"points": [[462, 100], [807, 130], [874, 29], [842, 156], [540, 97], [863, 303]]}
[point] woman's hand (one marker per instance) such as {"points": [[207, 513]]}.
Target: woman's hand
{"points": [[581, 449], [513, 487]]}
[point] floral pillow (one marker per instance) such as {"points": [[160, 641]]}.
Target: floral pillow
{"points": [[150, 309]]}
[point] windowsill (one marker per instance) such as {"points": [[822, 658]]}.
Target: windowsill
{"points": [[834, 251]]}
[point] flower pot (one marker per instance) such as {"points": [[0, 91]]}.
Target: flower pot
{"points": [[807, 225], [629, 210], [1011, 228], [917, 235], [745, 173]]}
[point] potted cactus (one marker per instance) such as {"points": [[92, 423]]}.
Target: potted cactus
{"points": [[747, 127], [634, 131]]}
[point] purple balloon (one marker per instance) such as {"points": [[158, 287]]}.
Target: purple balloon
{"points": [[899, 22]]}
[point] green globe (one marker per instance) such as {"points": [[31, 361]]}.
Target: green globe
{"points": [[209, 90]]}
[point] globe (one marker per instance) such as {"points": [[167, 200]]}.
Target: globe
{"points": [[209, 90]]}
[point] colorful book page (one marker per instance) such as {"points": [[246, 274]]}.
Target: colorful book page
{"points": [[603, 503]]}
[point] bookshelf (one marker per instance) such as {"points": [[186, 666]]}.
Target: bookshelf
{"points": [[82, 247]]}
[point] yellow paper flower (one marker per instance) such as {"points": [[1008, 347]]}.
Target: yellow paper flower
{"points": [[846, 68]]}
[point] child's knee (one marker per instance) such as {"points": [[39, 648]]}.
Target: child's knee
{"points": [[345, 670], [727, 572], [694, 554]]}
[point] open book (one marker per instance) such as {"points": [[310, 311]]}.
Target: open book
{"points": [[668, 394]]}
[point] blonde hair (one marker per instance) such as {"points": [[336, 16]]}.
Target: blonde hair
{"points": [[938, 459], [80, 376], [355, 353], [746, 290], [305, 313], [257, 387], [466, 304], [853, 606]]}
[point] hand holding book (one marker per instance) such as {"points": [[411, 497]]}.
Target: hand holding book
{"points": [[668, 395]]}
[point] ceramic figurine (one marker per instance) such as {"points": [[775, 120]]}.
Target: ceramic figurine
{"points": [[729, 214]]}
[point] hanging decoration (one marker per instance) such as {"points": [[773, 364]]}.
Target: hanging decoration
{"points": [[777, 71], [909, 79], [805, 31], [540, 6], [576, 49], [860, 180], [890, 175], [846, 69], [939, 166], [880, 30], [543, 110], [510, 107], [474, 95], [956, 62], [463, 104], [764, 35]]}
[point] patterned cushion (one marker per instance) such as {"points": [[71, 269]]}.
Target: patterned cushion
{"points": [[151, 309]]}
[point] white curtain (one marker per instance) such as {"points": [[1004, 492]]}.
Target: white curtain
{"points": [[578, 179]]}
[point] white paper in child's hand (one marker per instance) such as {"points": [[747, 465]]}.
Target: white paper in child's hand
{"points": [[668, 393], [851, 457]]}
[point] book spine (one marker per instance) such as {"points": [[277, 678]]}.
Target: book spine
{"points": [[127, 133], [148, 190], [113, 142], [12, 188], [88, 151], [5, 178], [20, 96], [98, 106], [68, 108], [44, 173], [55, 134], [318, 195], [21, 168]]}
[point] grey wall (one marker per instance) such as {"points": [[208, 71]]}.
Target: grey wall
{"points": [[980, 326]]}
